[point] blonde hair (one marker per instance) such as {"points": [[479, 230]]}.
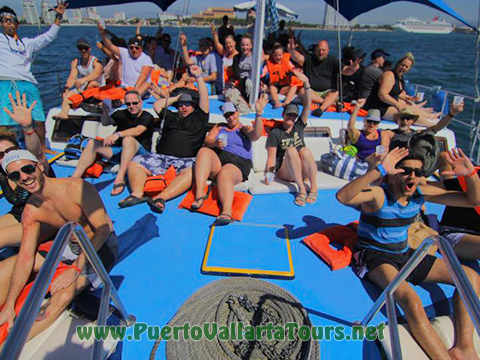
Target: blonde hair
{"points": [[407, 56]]}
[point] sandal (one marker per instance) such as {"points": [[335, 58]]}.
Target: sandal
{"points": [[131, 200], [117, 186], [198, 206], [223, 219], [154, 205], [301, 199], [312, 198]]}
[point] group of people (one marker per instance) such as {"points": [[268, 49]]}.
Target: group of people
{"points": [[390, 195]]}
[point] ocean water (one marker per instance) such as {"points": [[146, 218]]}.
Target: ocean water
{"points": [[441, 60]]}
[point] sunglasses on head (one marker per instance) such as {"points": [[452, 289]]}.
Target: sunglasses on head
{"points": [[372, 122], [27, 169], [133, 47], [3, 153], [134, 103], [83, 48], [409, 170]]}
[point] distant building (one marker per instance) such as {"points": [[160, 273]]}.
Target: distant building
{"points": [[92, 14], [75, 16], [330, 18], [48, 17], [167, 17], [119, 16], [215, 13], [30, 13]]}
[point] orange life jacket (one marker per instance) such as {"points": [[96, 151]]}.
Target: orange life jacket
{"points": [[463, 184], [280, 74], [156, 184], [320, 244]]}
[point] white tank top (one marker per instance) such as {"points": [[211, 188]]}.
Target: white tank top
{"points": [[87, 70]]}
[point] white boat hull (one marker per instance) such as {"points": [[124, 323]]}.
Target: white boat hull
{"points": [[423, 30]]}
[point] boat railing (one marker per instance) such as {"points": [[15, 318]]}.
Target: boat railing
{"points": [[460, 280], [23, 323], [51, 84]]}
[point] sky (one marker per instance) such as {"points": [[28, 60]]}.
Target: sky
{"points": [[388, 14]]}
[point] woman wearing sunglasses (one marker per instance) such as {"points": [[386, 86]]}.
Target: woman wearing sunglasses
{"points": [[10, 223]]}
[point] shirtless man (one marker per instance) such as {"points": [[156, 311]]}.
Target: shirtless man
{"points": [[54, 202]]}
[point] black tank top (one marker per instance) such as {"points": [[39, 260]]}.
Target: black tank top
{"points": [[374, 102]]}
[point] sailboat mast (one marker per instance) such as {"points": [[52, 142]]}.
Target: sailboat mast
{"points": [[257, 49]]}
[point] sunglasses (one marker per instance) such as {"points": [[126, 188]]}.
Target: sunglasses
{"points": [[408, 171], [135, 103], [3, 153], [12, 21], [183, 103], [228, 115], [372, 122], [27, 169], [135, 48], [408, 117], [83, 48]]}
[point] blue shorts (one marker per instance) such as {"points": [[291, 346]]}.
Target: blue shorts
{"points": [[117, 154], [158, 164], [24, 87]]}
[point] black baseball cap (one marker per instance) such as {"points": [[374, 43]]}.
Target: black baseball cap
{"points": [[135, 41], [83, 42], [379, 53]]}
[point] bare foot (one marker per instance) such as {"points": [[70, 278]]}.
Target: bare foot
{"points": [[458, 353]]}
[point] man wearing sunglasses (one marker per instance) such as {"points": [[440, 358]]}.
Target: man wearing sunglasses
{"points": [[16, 57], [183, 133], [86, 72], [133, 137], [387, 211], [136, 65], [54, 202]]}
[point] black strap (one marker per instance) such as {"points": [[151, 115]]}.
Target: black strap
{"points": [[379, 222]]}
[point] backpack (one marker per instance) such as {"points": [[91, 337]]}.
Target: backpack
{"points": [[75, 146]]}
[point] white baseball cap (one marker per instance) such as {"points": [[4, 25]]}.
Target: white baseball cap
{"points": [[17, 155]]}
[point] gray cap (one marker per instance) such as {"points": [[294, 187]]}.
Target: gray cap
{"points": [[185, 97], [291, 109], [374, 115], [228, 107], [83, 42], [17, 155]]}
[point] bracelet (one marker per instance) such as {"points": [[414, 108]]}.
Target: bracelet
{"points": [[119, 135], [256, 114], [28, 133], [307, 88], [381, 170], [474, 172], [76, 268]]}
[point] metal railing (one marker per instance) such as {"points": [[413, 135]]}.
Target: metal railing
{"points": [[460, 280], [17, 337]]}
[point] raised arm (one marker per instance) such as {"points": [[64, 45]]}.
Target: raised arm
{"points": [[183, 43], [443, 123], [204, 103], [43, 40], [353, 132], [107, 42], [22, 115], [294, 53], [307, 99], [358, 192], [23, 264], [216, 41], [161, 104], [462, 166], [256, 132]]}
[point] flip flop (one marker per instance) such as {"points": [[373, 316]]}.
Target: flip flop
{"points": [[301, 199], [202, 199], [223, 219], [116, 186], [153, 203], [312, 198], [132, 200]]}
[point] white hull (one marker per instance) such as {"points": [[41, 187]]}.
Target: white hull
{"points": [[424, 30]]}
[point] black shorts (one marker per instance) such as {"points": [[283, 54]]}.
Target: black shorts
{"points": [[374, 258], [244, 165], [17, 211]]}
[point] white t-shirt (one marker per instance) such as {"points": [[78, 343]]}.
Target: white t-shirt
{"points": [[16, 56], [132, 68]]}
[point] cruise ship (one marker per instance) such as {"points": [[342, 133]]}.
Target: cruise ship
{"points": [[417, 26]]}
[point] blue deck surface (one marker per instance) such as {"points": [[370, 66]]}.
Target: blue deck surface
{"points": [[161, 258]]}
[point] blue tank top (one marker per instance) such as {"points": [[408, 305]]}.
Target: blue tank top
{"points": [[238, 143], [387, 229], [367, 147]]}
